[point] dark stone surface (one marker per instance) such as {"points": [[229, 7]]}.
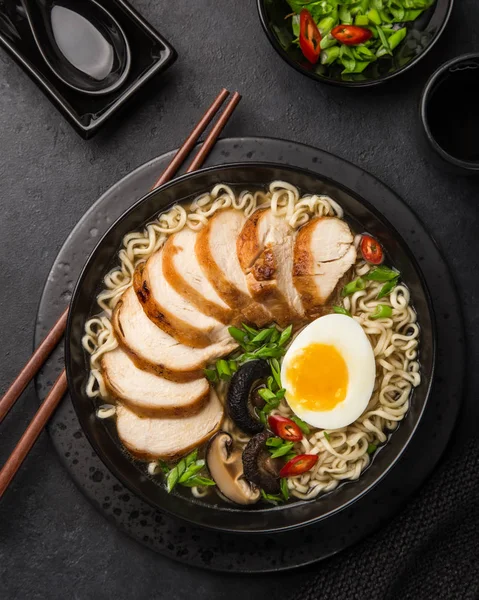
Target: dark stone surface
{"points": [[52, 542]]}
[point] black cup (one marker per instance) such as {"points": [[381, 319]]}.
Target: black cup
{"points": [[449, 112]]}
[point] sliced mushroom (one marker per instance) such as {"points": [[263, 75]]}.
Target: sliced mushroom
{"points": [[226, 467], [259, 467], [239, 394]]}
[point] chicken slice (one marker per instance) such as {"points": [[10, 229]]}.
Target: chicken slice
{"points": [[215, 252], [171, 311], [151, 438], [152, 349], [185, 275], [150, 394], [265, 248], [324, 252]]}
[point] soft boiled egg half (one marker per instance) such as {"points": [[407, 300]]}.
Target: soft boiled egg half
{"points": [[329, 372]]}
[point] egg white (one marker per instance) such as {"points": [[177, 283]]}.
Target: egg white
{"points": [[350, 340]]}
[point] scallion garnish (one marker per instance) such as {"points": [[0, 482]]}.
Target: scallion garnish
{"points": [[381, 273], [354, 286], [387, 288], [340, 310], [301, 424], [185, 473], [383, 311], [284, 488]]}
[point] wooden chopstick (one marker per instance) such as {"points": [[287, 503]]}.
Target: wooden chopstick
{"points": [[33, 365], [32, 432], [43, 351], [214, 133], [40, 355], [191, 140]]}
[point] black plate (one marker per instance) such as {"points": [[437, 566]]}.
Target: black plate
{"points": [[422, 35], [151, 54], [178, 540], [102, 434]]}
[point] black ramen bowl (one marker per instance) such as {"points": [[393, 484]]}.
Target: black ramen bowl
{"points": [[421, 37], [102, 433]]}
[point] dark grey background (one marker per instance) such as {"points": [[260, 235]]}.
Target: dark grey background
{"points": [[53, 544]]}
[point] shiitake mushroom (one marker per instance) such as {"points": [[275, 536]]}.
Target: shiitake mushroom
{"points": [[226, 467], [259, 467], [239, 399]]}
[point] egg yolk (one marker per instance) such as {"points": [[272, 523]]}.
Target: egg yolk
{"points": [[319, 377]]}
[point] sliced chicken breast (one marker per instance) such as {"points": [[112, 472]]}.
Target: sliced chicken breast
{"points": [[171, 311], [150, 394], [152, 438], [185, 275], [152, 349], [221, 265], [324, 252], [265, 248]]}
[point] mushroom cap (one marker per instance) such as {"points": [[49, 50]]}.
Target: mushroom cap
{"points": [[259, 467], [239, 394], [226, 467]]}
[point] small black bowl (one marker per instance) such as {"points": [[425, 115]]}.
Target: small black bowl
{"points": [[422, 36], [102, 434], [452, 137]]}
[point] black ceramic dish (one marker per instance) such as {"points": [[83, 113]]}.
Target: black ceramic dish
{"points": [[151, 54], [422, 36], [449, 116], [102, 434]]}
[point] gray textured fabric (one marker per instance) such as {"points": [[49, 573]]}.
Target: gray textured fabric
{"points": [[431, 551]]}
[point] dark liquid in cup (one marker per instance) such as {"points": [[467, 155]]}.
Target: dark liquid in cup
{"points": [[453, 114]]}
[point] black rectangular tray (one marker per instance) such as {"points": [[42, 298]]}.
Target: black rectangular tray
{"points": [[151, 54]]}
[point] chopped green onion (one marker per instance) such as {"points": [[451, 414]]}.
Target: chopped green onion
{"points": [[280, 394], [211, 375], [329, 42], [284, 488], [361, 20], [223, 369], [340, 310], [266, 394], [285, 335], [275, 336], [262, 336], [384, 40], [274, 442], [233, 366], [327, 436], [198, 481], [381, 274], [282, 450], [272, 498], [387, 288], [191, 471], [238, 335], [374, 17], [383, 311], [250, 330], [329, 55], [276, 370], [372, 448], [354, 286], [301, 424]]}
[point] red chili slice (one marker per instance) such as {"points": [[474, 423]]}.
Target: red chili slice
{"points": [[309, 37], [351, 35], [285, 428], [371, 250], [298, 465]]}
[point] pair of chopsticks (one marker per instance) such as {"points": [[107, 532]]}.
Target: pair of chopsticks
{"points": [[41, 354]]}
